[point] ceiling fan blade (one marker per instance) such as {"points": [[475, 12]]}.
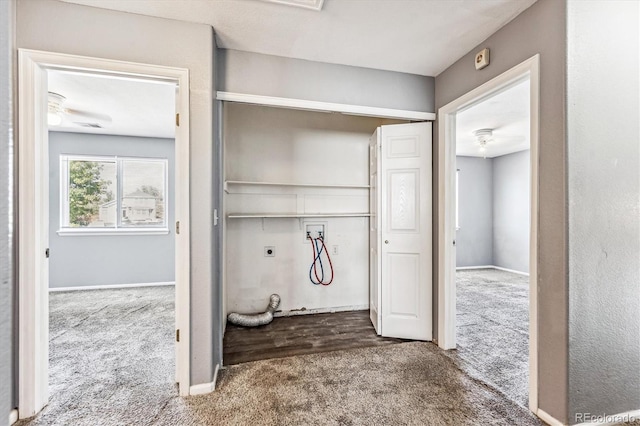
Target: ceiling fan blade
{"points": [[75, 115]]}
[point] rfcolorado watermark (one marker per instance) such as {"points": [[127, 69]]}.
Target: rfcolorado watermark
{"points": [[605, 418]]}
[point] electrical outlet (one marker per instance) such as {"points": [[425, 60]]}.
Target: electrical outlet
{"points": [[269, 251]]}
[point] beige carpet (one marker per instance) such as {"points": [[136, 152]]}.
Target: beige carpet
{"points": [[403, 384], [112, 364]]}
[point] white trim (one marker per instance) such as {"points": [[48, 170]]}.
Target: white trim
{"points": [[13, 416], [305, 4], [296, 312], [88, 232], [464, 268], [446, 209], [293, 215], [204, 388], [33, 212], [110, 286], [548, 418], [513, 271], [303, 104], [616, 419]]}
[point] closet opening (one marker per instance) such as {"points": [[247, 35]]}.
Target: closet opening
{"points": [[299, 217]]}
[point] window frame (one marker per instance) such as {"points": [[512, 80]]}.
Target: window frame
{"points": [[119, 229]]}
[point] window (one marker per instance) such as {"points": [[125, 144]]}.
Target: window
{"points": [[95, 189]]}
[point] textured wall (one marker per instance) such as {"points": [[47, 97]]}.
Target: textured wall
{"points": [[95, 32], [541, 29], [474, 238], [257, 74], [604, 206], [511, 211], [7, 401], [78, 261]]}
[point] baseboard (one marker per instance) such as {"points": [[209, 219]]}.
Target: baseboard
{"points": [[295, 312], [548, 418], [111, 286], [614, 419], [464, 268], [204, 388], [13, 416], [513, 271]]}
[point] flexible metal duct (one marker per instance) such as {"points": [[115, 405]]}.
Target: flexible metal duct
{"points": [[254, 320]]}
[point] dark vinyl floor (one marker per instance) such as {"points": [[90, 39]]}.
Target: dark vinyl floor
{"points": [[301, 335]]}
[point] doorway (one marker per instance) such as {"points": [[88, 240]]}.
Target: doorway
{"points": [[492, 240], [34, 210], [448, 172], [292, 171]]}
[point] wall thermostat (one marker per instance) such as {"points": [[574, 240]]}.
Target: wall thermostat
{"points": [[482, 58]]}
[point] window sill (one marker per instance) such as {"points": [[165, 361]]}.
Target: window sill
{"points": [[120, 232]]}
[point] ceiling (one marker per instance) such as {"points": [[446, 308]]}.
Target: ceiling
{"points": [[136, 107], [507, 113], [412, 36]]}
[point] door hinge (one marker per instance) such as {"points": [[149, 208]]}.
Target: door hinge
{"points": [[46, 253], [178, 120], [177, 227], [177, 335]]}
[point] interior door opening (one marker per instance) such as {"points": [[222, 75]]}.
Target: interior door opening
{"points": [[291, 174], [487, 220], [103, 288], [492, 240], [111, 249]]}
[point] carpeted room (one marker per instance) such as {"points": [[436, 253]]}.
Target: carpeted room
{"points": [[493, 199]]}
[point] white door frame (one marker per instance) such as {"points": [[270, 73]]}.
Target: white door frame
{"points": [[446, 209], [33, 196]]}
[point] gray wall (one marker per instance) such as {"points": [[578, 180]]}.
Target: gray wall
{"points": [[494, 211], [7, 401], [89, 31], [539, 29], [604, 206], [474, 238], [511, 211], [78, 261], [257, 74]]}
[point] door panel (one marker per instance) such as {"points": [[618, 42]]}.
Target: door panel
{"points": [[403, 207], [404, 270], [405, 237]]}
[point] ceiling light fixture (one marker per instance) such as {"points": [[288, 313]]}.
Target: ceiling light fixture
{"points": [[483, 136], [54, 109]]}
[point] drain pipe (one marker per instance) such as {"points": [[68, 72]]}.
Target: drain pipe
{"points": [[254, 320]]}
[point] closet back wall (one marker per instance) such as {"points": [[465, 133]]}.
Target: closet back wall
{"points": [[278, 145]]}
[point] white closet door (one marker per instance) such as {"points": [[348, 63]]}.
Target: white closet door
{"points": [[374, 231], [405, 237]]}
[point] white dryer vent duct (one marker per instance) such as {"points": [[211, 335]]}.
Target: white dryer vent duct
{"points": [[254, 320]]}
